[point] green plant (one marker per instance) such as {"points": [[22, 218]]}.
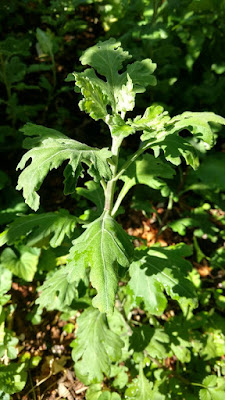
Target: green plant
{"points": [[106, 342]]}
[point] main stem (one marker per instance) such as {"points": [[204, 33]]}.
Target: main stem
{"points": [[110, 189]]}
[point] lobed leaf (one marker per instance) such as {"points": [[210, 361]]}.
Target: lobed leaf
{"points": [[174, 148], [162, 132], [103, 247], [118, 90], [95, 101], [95, 342], [51, 152], [36, 227], [140, 388], [197, 123], [214, 388], [159, 269], [149, 171], [154, 340], [57, 292]]}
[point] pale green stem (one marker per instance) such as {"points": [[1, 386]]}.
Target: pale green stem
{"points": [[103, 184], [116, 176], [170, 202], [144, 147], [125, 189], [200, 385], [110, 189]]}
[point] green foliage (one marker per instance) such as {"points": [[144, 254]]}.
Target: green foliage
{"points": [[214, 388], [140, 388], [104, 246], [138, 333], [95, 393], [36, 227], [158, 269], [147, 171], [57, 291], [54, 148], [96, 342], [12, 377], [25, 265], [119, 90]]}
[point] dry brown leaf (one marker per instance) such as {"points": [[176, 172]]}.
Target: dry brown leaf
{"points": [[64, 392]]}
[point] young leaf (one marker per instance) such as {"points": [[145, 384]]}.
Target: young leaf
{"points": [[36, 227], [50, 153], [95, 99], [152, 122], [125, 98], [159, 269], [119, 90], [95, 342], [103, 246], [25, 265]]}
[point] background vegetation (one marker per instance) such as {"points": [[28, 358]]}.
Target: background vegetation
{"points": [[41, 42]]}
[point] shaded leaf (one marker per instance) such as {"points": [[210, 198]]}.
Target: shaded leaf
{"points": [[95, 393], [147, 171], [159, 269], [151, 339], [200, 220], [94, 193], [45, 41], [212, 171], [36, 227]]}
